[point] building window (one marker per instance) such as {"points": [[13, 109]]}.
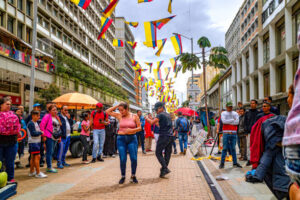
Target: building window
{"points": [[295, 65], [281, 83], [11, 1], [266, 46], [247, 91], [1, 18], [28, 35], [296, 24], [20, 4], [255, 57], [20, 30], [256, 87], [280, 37], [28, 7], [8, 86], [267, 84], [10, 24]]}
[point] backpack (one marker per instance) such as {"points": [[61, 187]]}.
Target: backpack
{"points": [[9, 123], [183, 125]]}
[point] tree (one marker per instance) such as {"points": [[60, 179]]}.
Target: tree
{"points": [[186, 103], [50, 93], [189, 62]]}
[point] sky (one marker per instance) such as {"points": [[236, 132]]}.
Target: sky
{"points": [[194, 18]]}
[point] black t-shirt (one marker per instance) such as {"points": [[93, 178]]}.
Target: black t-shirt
{"points": [[165, 124]]}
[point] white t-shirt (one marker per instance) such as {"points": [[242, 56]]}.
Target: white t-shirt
{"points": [[68, 127]]}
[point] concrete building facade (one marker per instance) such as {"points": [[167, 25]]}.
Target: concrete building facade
{"points": [[268, 59], [124, 56]]}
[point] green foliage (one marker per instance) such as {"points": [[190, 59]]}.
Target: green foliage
{"points": [[88, 77], [215, 79], [186, 103], [218, 58], [49, 94], [189, 62], [204, 42]]}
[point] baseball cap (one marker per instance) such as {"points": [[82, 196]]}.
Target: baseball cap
{"points": [[37, 105], [99, 105], [158, 105], [229, 104]]}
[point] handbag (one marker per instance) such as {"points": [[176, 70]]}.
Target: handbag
{"points": [[55, 135]]}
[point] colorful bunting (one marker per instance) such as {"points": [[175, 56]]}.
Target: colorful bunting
{"points": [[105, 24], [157, 74], [133, 24], [176, 41], [167, 71], [82, 3], [110, 8], [150, 66], [150, 34], [132, 44], [118, 43], [159, 64], [160, 45], [144, 1], [161, 22], [173, 62], [170, 7]]}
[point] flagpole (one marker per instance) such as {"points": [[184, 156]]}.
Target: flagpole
{"points": [[32, 74]]}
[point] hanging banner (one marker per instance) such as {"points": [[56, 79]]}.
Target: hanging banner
{"points": [[150, 66], [160, 45], [105, 24], [118, 43], [176, 41], [132, 44], [82, 3], [150, 35], [159, 64], [170, 7], [110, 8], [133, 24], [144, 1]]}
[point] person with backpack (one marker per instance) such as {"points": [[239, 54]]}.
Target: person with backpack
{"points": [[85, 136], [183, 128], [50, 126], [9, 129], [99, 120]]}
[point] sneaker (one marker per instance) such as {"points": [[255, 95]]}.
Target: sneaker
{"points": [[113, 155], [94, 160], [41, 175], [66, 165], [237, 165], [60, 166], [19, 166], [12, 181], [134, 180], [164, 172], [122, 180], [181, 153], [221, 166], [99, 158], [32, 174], [104, 156], [144, 152], [52, 170], [184, 151], [41, 164]]}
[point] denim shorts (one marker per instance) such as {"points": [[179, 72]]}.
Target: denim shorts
{"points": [[292, 161], [34, 148]]}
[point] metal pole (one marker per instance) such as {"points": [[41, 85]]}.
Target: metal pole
{"points": [[32, 75], [192, 51]]}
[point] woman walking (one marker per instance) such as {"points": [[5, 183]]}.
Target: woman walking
{"points": [[149, 135], [84, 136], [9, 129], [50, 126], [129, 125]]}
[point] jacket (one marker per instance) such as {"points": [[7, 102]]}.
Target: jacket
{"points": [[250, 119], [256, 141], [148, 130], [64, 125], [46, 126], [230, 121], [241, 128], [34, 136]]}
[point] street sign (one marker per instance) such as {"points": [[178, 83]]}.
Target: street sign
{"points": [[194, 89]]}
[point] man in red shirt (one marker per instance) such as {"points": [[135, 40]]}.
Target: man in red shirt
{"points": [[99, 120]]}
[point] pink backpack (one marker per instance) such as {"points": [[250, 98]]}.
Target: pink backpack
{"points": [[9, 123]]}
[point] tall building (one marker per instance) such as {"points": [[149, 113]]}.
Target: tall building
{"points": [[61, 25], [211, 72], [268, 59], [124, 56]]}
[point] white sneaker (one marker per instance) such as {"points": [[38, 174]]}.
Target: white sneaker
{"points": [[41, 175], [32, 174]]}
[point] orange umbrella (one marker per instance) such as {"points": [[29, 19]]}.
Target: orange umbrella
{"points": [[76, 101]]}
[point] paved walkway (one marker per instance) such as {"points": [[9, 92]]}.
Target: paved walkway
{"points": [[100, 181]]}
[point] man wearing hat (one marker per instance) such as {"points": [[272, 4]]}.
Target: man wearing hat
{"points": [[230, 121], [99, 120], [166, 138]]}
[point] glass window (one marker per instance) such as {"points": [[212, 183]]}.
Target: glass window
{"points": [[267, 84], [11, 1], [10, 24], [266, 46], [280, 39], [28, 35], [20, 4], [20, 30], [1, 18], [28, 7], [281, 83]]}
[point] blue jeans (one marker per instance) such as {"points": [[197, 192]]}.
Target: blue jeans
{"points": [[8, 153], [49, 152], [229, 142], [127, 143], [141, 137], [99, 139], [63, 149], [183, 139]]}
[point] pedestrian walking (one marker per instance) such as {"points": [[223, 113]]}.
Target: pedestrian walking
{"points": [[242, 136], [182, 126], [110, 135], [129, 125], [99, 120], [165, 139], [175, 133], [85, 136], [149, 134], [230, 121], [141, 134], [9, 129], [34, 141]]}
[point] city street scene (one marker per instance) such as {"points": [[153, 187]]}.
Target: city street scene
{"points": [[149, 99]]}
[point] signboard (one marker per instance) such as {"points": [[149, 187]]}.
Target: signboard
{"points": [[198, 137], [16, 100]]}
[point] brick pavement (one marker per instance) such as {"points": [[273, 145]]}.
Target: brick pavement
{"points": [[100, 181]]}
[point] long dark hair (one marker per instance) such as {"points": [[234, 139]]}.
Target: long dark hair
{"points": [[4, 100], [124, 105]]}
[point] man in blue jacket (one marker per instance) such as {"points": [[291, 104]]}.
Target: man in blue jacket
{"points": [[141, 135], [183, 127], [66, 129]]}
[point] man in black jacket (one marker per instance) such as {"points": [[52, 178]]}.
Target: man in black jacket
{"points": [[250, 119]]}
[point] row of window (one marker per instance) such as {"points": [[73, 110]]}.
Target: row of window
{"points": [[272, 6], [249, 18], [251, 30], [24, 6]]}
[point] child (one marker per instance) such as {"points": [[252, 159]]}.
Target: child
{"points": [[85, 136], [34, 140]]}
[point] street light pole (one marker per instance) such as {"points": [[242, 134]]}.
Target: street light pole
{"points": [[32, 74]]}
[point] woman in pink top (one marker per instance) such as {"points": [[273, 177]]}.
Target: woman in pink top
{"points": [[129, 125], [85, 136]]}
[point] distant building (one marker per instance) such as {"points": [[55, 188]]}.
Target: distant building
{"points": [[145, 97], [124, 56]]}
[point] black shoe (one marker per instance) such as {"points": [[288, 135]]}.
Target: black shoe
{"points": [[237, 165], [27, 166], [94, 160], [134, 180], [41, 164], [175, 151], [221, 166], [122, 180], [99, 158], [164, 172], [144, 152], [248, 163]]}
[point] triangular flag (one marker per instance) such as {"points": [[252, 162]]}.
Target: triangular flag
{"points": [[144, 1], [133, 24], [167, 71], [176, 41], [82, 3], [132, 44], [160, 45], [161, 22], [150, 34], [118, 43], [170, 7], [110, 8], [105, 24], [150, 66], [159, 64], [173, 62]]}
